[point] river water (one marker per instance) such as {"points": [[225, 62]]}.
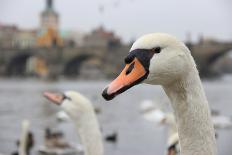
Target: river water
{"points": [[22, 99]]}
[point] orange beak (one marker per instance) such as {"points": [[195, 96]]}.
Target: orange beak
{"points": [[55, 98], [131, 75]]}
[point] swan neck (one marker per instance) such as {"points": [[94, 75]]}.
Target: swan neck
{"points": [[192, 114], [90, 135]]}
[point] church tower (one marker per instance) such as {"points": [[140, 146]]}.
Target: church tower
{"points": [[49, 18], [49, 28]]}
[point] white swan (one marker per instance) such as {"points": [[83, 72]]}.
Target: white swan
{"points": [[153, 113], [61, 116], [81, 111], [24, 138], [160, 59], [221, 121]]}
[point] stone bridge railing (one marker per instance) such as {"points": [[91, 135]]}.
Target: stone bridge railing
{"points": [[206, 54], [58, 59], [107, 60]]}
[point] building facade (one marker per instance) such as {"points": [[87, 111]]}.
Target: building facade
{"points": [[101, 38], [7, 35]]}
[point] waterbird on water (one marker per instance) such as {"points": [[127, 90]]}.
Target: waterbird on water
{"points": [[152, 112], [112, 138], [81, 112], [161, 59], [55, 139], [26, 141]]}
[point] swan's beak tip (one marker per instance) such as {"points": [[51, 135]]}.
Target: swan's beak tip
{"points": [[107, 96], [54, 98], [45, 94]]}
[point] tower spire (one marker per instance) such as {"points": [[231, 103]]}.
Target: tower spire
{"points": [[49, 4]]}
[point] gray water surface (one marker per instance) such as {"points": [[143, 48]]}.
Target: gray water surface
{"points": [[22, 99]]}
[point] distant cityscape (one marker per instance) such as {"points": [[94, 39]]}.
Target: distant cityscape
{"points": [[48, 52], [49, 35]]}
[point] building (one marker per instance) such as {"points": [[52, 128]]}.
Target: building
{"points": [[101, 38], [72, 38], [7, 35], [25, 39], [49, 29], [13, 37], [50, 38], [49, 18]]}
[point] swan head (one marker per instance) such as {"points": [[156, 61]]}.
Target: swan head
{"points": [[73, 103], [156, 58]]}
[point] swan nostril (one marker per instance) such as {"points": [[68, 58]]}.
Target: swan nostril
{"points": [[130, 68]]}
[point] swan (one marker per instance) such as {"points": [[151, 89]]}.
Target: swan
{"points": [[24, 138], [161, 59], [61, 116], [81, 111], [221, 121], [151, 112]]}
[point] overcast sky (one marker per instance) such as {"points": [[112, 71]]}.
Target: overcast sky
{"points": [[129, 18]]}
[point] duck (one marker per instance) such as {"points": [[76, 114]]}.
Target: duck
{"points": [[55, 139], [162, 59], [81, 112], [112, 138]]}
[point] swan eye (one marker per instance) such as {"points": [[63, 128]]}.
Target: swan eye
{"points": [[156, 50], [66, 97]]}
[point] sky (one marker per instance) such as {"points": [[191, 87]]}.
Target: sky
{"points": [[129, 19]]}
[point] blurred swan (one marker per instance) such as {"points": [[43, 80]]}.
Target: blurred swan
{"points": [[151, 112], [26, 141], [24, 138], [61, 116], [81, 112], [222, 122]]}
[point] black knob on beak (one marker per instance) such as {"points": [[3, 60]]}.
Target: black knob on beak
{"points": [[107, 96]]}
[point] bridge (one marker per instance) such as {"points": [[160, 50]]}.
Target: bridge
{"points": [[63, 61], [92, 61], [207, 53]]}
